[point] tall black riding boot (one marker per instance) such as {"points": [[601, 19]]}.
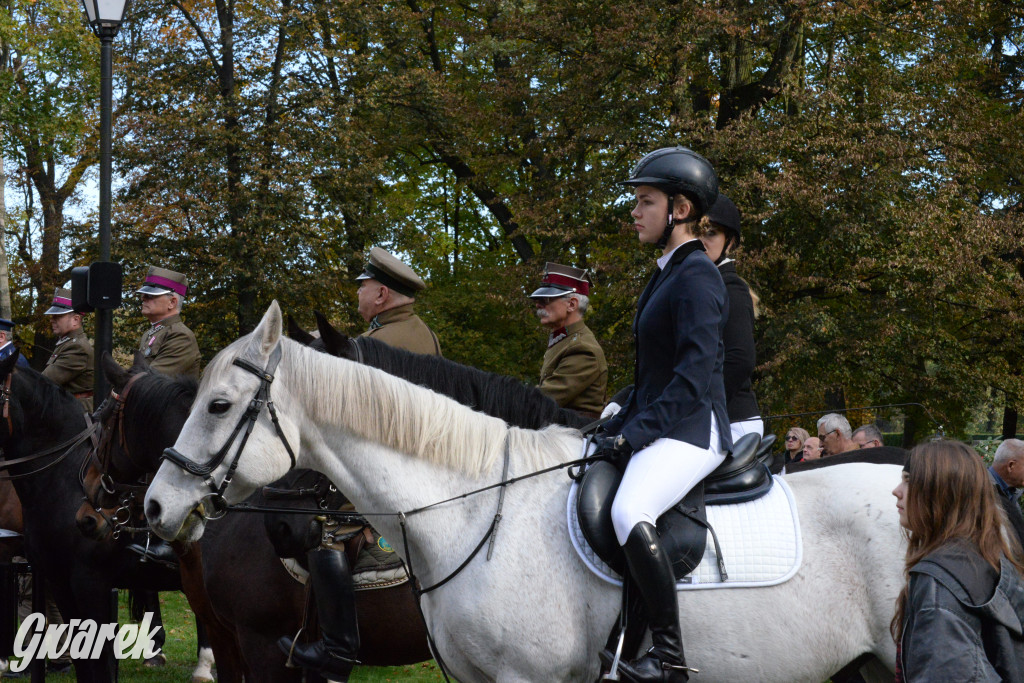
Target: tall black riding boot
{"points": [[652, 571], [335, 653]]}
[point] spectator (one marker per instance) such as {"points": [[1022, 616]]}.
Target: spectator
{"points": [[812, 448], [795, 439], [574, 373], [868, 436], [958, 617], [1007, 472], [834, 434]]}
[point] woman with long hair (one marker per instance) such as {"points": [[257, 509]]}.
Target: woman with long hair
{"points": [[960, 616]]}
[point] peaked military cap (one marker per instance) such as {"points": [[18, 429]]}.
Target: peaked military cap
{"points": [[386, 269], [61, 302], [162, 281], [6, 325], [560, 280]]}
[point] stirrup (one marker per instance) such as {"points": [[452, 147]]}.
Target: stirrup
{"points": [[613, 672]]}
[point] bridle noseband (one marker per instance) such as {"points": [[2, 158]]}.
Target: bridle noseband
{"points": [[246, 421]]}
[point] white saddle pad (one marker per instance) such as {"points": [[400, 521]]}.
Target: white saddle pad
{"points": [[761, 543]]}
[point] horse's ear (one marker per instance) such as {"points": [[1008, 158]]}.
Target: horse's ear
{"points": [[139, 363], [112, 370], [335, 343], [268, 332], [297, 333]]}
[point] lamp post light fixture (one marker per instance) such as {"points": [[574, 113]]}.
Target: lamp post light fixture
{"points": [[105, 17]]}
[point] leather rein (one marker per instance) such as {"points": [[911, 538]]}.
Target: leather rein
{"points": [[66, 446], [247, 421]]}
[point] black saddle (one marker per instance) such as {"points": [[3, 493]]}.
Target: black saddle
{"points": [[742, 477]]}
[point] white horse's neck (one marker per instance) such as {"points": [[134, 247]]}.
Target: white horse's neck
{"points": [[391, 446]]}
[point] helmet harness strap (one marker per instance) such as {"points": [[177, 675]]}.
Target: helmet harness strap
{"points": [[669, 223]]}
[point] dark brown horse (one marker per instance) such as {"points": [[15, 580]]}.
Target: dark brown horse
{"points": [[239, 568], [46, 439]]}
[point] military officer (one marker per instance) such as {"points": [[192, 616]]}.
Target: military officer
{"points": [[71, 363], [168, 346], [574, 372], [7, 347], [387, 293]]}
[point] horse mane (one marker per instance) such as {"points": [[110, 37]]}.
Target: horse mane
{"points": [[506, 397], [403, 416], [52, 399], [152, 393]]}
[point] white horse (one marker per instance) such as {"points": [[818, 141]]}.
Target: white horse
{"points": [[532, 612]]}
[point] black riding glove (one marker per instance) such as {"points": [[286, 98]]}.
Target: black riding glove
{"points": [[614, 449]]}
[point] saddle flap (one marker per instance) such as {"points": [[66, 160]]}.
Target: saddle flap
{"points": [[683, 538]]}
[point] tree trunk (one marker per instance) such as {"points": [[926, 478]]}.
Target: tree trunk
{"points": [[5, 274], [1009, 422]]}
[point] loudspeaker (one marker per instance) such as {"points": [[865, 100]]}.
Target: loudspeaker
{"points": [[104, 285], [80, 290]]}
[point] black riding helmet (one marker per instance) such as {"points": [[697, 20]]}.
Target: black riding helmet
{"points": [[726, 216], [677, 170]]}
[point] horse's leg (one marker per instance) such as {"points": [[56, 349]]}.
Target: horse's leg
{"points": [[203, 673], [222, 638], [87, 595], [265, 661]]}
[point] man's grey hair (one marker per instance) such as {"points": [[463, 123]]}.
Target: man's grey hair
{"points": [[871, 432], [1011, 448], [583, 300], [834, 421]]}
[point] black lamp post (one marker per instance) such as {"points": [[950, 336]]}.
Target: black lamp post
{"points": [[105, 18]]}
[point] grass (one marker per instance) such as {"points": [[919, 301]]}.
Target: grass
{"points": [[180, 648]]}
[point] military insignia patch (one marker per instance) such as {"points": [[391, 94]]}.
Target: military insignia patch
{"points": [[384, 545]]}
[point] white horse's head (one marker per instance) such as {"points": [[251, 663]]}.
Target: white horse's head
{"points": [[229, 445]]}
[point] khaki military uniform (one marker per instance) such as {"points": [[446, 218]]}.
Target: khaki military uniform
{"points": [[71, 366], [574, 372], [403, 329], [170, 347]]}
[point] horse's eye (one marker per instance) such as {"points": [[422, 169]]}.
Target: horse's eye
{"points": [[219, 407]]}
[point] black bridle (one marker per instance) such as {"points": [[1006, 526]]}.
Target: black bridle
{"points": [[246, 421]]}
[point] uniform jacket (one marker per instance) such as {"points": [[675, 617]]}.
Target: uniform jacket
{"points": [[740, 355], [71, 366], [964, 619], [574, 373], [170, 347], [677, 333], [403, 329]]}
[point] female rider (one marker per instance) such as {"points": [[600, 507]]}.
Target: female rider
{"points": [[673, 427], [959, 616], [740, 355]]}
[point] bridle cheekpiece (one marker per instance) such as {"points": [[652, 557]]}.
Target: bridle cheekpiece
{"points": [[246, 421]]}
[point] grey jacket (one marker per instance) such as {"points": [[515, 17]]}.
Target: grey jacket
{"points": [[964, 621]]}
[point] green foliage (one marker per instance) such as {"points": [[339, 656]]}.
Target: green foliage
{"points": [[264, 147]]}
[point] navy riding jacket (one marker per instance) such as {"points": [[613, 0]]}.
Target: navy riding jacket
{"points": [[677, 333]]}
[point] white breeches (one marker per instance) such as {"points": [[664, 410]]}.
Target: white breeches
{"points": [[658, 477], [738, 429]]}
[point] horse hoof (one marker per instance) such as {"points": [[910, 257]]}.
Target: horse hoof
{"points": [[156, 660]]}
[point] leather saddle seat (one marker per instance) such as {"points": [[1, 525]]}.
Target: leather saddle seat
{"points": [[683, 529]]}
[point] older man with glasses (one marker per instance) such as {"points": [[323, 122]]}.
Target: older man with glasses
{"points": [[835, 435], [868, 436], [574, 372]]}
